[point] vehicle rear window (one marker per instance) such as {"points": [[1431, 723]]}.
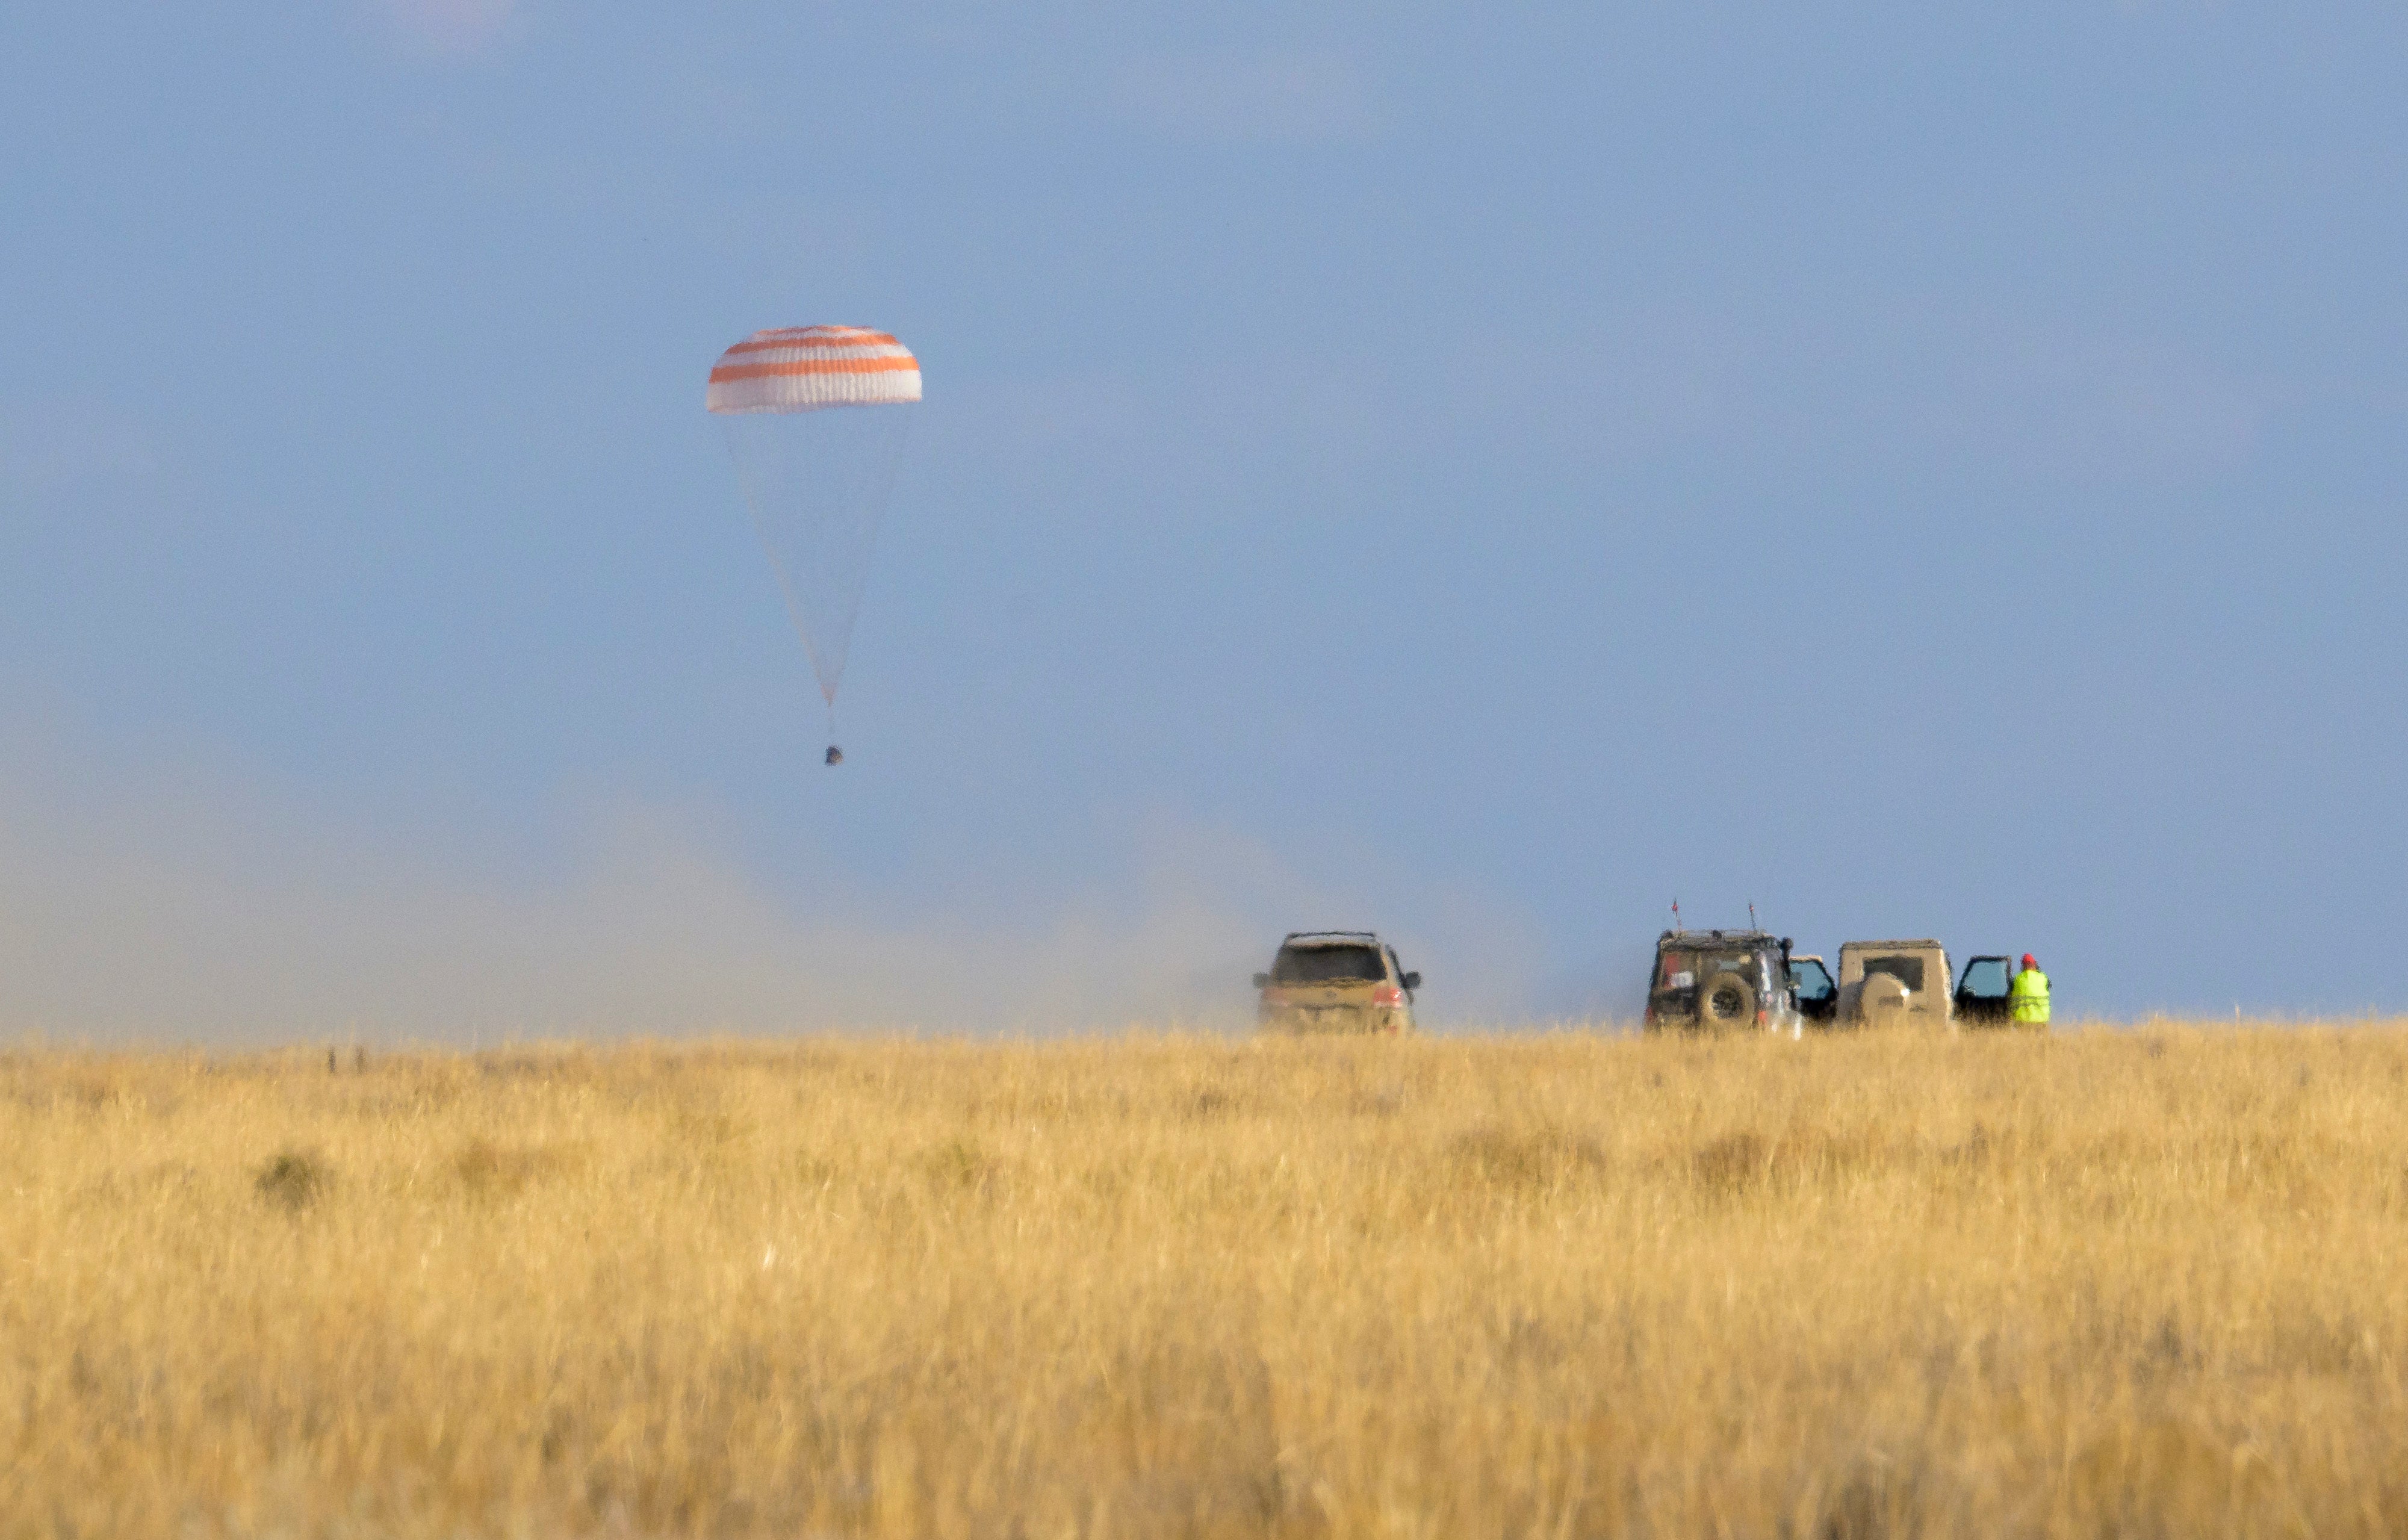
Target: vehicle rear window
{"points": [[1906, 970], [1675, 970], [1328, 965]]}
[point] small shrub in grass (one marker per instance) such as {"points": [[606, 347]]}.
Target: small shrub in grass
{"points": [[1733, 1165], [958, 1164], [1533, 1160], [488, 1170], [295, 1179]]}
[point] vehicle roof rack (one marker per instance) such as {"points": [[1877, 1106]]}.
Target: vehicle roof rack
{"points": [[1331, 935]]}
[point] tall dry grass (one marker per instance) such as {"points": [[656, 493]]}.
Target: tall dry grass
{"points": [[2102, 1285]]}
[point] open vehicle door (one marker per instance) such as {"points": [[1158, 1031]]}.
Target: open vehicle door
{"points": [[1982, 993], [1818, 998]]}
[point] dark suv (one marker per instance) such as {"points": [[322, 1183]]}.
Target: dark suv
{"points": [[1722, 979]]}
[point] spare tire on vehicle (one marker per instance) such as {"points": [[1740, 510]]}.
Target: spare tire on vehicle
{"points": [[1883, 994], [1726, 999]]}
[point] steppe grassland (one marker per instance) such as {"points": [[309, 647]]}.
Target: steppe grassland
{"points": [[2108, 1283]]}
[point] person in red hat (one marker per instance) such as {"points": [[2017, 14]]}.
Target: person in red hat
{"points": [[2029, 995]]}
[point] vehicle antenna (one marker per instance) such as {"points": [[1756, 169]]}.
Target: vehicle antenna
{"points": [[1676, 913], [1751, 918]]}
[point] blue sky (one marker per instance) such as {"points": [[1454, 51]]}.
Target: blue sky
{"points": [[1917, 470]]}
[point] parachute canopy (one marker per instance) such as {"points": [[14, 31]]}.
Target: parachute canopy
{"points": [[817, 479], [803, 369]]}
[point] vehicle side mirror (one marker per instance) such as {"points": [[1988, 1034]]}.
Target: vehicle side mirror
{"points": [[1262, 981], [1412, 981]]}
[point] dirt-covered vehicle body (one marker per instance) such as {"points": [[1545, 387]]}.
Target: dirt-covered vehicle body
{"points": [[1336, 981], [1723, 980], [1895, 983]]}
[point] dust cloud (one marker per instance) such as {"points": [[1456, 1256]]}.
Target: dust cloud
{"points": [[161, 904]]}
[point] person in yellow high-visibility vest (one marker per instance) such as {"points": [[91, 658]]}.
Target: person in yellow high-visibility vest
{"points": [[2029, 995]]}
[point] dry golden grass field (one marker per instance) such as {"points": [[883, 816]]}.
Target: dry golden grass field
{"points": [[2110, 1283]]}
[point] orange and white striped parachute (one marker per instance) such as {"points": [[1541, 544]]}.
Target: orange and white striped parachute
{"points": [[817, 479], [802, 368]]}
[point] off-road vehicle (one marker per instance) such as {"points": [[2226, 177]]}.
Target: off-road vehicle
{"points": [[1722, 979], [1336, 981], [1895, 983]]}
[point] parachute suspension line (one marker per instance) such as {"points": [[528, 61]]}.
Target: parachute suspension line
{"points": [[754, 495], [885, 470], [820, 548]]}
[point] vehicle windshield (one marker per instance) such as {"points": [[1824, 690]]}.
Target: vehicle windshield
{"points": [[1906, 969], [1985, 978], [1813, 980], [1360, 964]]}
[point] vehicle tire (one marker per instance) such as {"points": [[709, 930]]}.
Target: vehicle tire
{"points": [[1726, 999]]}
